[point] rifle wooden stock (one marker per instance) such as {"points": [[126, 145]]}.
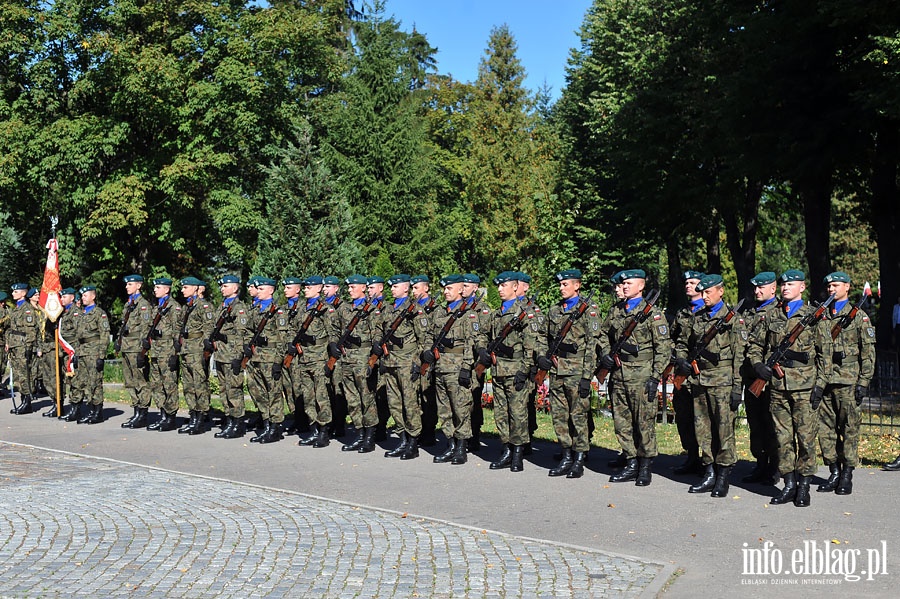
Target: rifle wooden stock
{"points": [[160, 312], [217, 328], [395, 324], [574, 315], [366, 308], [504, 333], [602, 372], [254, 341], [847, 318], [445, 330], [288, 358], [129, 308]]}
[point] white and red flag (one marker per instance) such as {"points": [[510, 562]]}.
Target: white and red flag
{"points": [[867, 289], [51, 287]]}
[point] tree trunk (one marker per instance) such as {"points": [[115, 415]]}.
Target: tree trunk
{"points": [[815, 194], [741, 237], [675, 291], [886, 222], [713, 251]]}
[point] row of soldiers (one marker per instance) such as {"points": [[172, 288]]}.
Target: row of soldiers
{"points": [[298, 356]]}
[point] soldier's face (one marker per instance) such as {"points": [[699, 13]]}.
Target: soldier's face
{"points": [[522, 289], [569, 288], [331, 290], [18, 294], [468, 289], [291, 291], [229, 289], [400, 289], [265, 292], [88, 297], [764, 293], [252, 290], [132, 287], [66, 300], [453, 292], [160, 291], [840, 290], [690, 288], [713, 295], [420, 290], [792, 290], [507, 290], [34, 299], [620, 293], [311, 291], [375, 289], [632, 288], [189, 290], [356, 290]]}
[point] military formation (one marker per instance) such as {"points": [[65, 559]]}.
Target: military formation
{"points": [[318, 358]]}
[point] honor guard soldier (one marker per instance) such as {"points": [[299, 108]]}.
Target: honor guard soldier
{"points": [[311, 364], [264, 354], [471, 282], [288, 325], [796, 396], [717, 388], [331, 289], [92, 333], [197, 321], [350, 348], [133, 330], [45, 348], [850, 340], [230, 336], [163, 363], [21, 338], [538, 319], [633, 387], [682, 401], [763, 443], [421, 291], [66, 299]]}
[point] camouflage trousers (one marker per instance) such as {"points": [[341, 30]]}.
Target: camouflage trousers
{"points": [[88, 381], [454, 405], [763, 442], [796, 426], [510, 411], [163, 385], [231, 389], [567, 408], [315, 396], [403, 401], [52, 371], [23, 369], [714, 425], [266, 392], [195, 381], [428, 400], [683, 404], [136, 380], [360, 396], [839, 419], [634, 419]]}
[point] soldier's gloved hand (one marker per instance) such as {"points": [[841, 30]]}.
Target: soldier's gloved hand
{"points": [[414, 373], [125, 330], [177, 346], [734, 400], [427, 357], [75, 361], [292, 350], [584, 388], [763, 371], [276, 371], [544, 363], [377, 350], [141, 361], [465, 378], [519, 380], [861, 393], [334, 350], [484, 357], [607, 362], [248, 351], [651, 386], [156, 334], [815, 397], [262, 341], [683, 367], [172, 362], [222, 337], [208, 346], [145, 343], [117, 347], [236, 366], [382, 368], [99, 364]]}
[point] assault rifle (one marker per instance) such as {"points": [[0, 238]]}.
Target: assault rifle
{"points": [[129, 308], [553, 350], [254, 341], [626, 334], [148, 340], [182, 329], [779, 354], [345, 337], [495, 344], [410, 309], [847, 318], [320, 306], [216, 333], [445, 330]]}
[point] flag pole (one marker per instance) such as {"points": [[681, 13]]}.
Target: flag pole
{"points": [[58, 382]]}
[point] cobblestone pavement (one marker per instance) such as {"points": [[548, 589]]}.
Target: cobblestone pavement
{"points": [[79, 526]]}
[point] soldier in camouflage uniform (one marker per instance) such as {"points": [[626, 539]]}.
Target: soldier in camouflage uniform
{"points": [[264, 360], [763, 443], [634, 387], [330, 292], [471, 282], [852, 354], [4, 323], [796, 397], [287, 326], [538, 319], [163, 356], [92, 334], [66, 297], [717, 389], [452, 367], [311, 364], [421, 289], [229, 351], [135, 368], [375, 293], [198, 318], [21, 337], [571, 369], [352, 362]]}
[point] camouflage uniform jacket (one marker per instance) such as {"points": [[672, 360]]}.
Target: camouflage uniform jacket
{"points": [[720, 362], [138, 325], [163, 339], [852, 353], [315, 341], [270, 344], [463, 338], [647, 351], [233, 334], [364, 334], [577, 354], [480, 312], [808, 368], [408, 341], [200, 320], [91, 333], [515, 354], [22, 329]]}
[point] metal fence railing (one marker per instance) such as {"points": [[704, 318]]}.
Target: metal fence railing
{"points": [[881, 410]]}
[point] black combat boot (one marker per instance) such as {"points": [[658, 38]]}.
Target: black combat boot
{"points": [[618, 462], [158, 424], [565, 464], [845, 485], [398, 451], [645, 472], [313, 435], [709, 481], [691, 465], [577, 470], [267, 427], [893, 466], [51, 413], [96, 415], [801, 499], [473, 444], [447, 455], [128, 423], [322, 439], [272, 434], [368, 444], [170, 423], [628, 473], [505, 458], [357, 443], [831, 484], [229, 423], [24, 406], [199, 424], [87, 415], [516, 464], [72, 414], [141, 420], [235, 430], [759, 471], [459, 456], [186, 428], [721, 488], [788, 492], [412, 449]]}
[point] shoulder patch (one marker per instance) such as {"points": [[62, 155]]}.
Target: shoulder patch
{"points": [[485, 310], [143, 307], [593, 313], [657, 316], [103, 315], [473, 316], [240, 311], [865, 318], [530, 316], [662, 329], [870, 331]]}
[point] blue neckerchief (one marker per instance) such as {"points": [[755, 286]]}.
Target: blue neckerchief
{"points": [[453, 305], [87, 309], [507, 305], [134, 297], [632, 303], [359, 302], [838, 306], [765, 303], [69, 307], [311, 302], [193, 299], [330, 299], [399, 302], [571, 303], [791, 307], [424, 300], [522, 298], [697, 304], [292, 301], [263, 305], [715, 309], [228, 301], [160, 301], [254, 303], [20, 302], [377, 300]]}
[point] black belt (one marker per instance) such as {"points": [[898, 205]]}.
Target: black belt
{"points": [[88, 339]]}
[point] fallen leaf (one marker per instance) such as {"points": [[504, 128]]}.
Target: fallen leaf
{"points": [[404, 515], [736, 497], [610, 505], [848, 513], [835, 542], [693, 535]]}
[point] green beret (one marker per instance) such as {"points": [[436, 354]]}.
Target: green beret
{"points": [[375, 279], [633, 273], [67, 291], [356, 280], [766, 277], [253, 281], [451, 279], [471, 278], [313, 280], [3, 296], [162, 281], [398, 279], [572, 273], [708, 281], [506, 275], [792, 275], [31, 293], [692, 274], [616, 279], [419, 279], [524, 277], [18, 286], [87, 288], [292, 281], [225, 279], [265, 281], [837, 277], [133, 279], [331, 280], [191, 281]]}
